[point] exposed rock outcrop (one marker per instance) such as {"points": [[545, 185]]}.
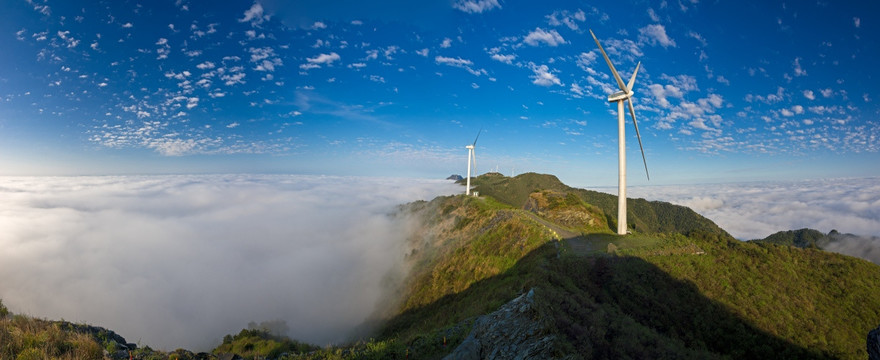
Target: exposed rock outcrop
{"points": [[874, 344], [512, 332]]}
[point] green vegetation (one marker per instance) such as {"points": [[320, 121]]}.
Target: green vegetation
{"points": [[251, 343], [678, 287], [470, 239], [23, 337], [803, 238], [642, 217]]}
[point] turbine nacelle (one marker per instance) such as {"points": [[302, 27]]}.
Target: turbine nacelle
{"points": [[620, 95]]}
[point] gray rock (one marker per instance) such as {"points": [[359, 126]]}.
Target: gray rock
{"points": [[514, 331], [874, 344]]}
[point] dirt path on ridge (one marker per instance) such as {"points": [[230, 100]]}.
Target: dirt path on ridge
{"points": [[578, 243]]}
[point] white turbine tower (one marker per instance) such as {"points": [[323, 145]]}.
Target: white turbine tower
{"points": [[471, 156], [624, 95]]}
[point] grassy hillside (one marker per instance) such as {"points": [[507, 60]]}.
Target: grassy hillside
{"points": [[803, 238], [467, 240], [642, 216], [691, 291]]}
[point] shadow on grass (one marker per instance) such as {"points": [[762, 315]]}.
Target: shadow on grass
{"points": [[605, 307]]}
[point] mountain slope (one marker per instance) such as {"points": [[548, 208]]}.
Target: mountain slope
{"points": [[678, 287], [691, 291], [642, 216]]}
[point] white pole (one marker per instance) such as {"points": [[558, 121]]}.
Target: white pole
{"points": [[621, 180], [468, 190]]}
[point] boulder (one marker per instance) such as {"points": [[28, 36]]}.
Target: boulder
{"points": [[874, 344], [514, 331]]}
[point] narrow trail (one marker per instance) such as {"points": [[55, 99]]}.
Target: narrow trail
{"points": [[578, 243]]}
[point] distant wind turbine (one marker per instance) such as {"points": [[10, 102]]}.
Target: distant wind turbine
{"points": [[472, 156], [624, 95]]}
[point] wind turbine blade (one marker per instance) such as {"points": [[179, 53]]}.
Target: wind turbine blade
{"points": [[632, 80], [478, 137], [610, 65], [632, 112]]}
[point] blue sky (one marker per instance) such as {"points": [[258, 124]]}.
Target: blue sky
{"points": [[727, 91]]}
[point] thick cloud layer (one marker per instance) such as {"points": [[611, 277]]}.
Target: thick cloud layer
{"points": [[757, 209], [180, 261]]}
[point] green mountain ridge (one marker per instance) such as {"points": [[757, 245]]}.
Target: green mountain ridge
{"points": [[678, 287]]}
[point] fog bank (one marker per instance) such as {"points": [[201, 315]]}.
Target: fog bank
{"points": [[755, 210], [180, 261]]}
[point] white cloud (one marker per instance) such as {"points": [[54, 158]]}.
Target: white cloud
{"points": [[192, 102], [254, 15], [653, 15], [662, 92], [809, 95], [567, 18], [233, 125], [507, 59], [543, 76], [205, 65], [827, 92], [232, 79], [155, 241], [476, 6], [459, 63], [447, 42], [324, 59], [319, 25], [423, 52], [756, 210], [576, 89], [798, 109], [656, 34], [127, 25], [857, 22], [539, 36], [798, 70]]}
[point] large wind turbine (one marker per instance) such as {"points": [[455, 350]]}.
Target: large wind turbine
{"points": [[472, 156], [624, 95]]}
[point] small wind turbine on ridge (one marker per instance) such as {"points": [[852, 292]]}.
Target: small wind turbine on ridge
{"points": [[471, 156], [624, 95]]}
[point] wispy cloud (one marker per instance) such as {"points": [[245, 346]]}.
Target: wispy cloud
{"points": [[459, 63], [540, 36], [476, 6], [254, 15], [656, 34]]}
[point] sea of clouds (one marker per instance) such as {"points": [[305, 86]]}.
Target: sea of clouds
{"points": [[754, 210], [180, 261]]}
